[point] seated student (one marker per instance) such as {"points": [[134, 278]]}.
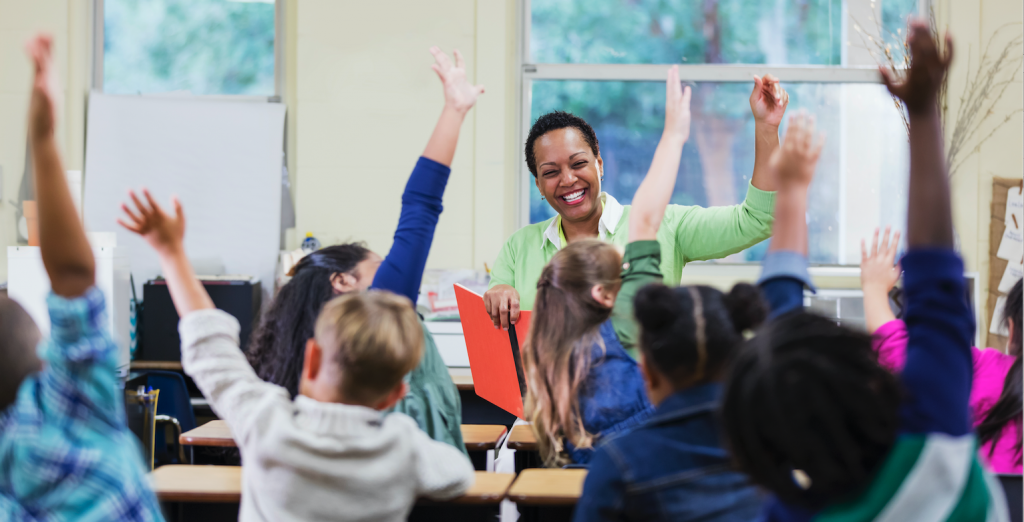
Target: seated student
{"points": [[65, 449], [810, 414], [582, 384], [276, 350], [673, 465], [329, 453], [995, 384]]}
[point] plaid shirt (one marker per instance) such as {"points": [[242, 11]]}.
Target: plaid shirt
{"points": [[65, 450]]}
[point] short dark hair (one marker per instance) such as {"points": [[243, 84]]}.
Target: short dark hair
{"points": [[808, 395], [19, 337], [554, 121], [690, 333]]}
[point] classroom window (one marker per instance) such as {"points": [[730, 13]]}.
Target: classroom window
{"points": [[205, 47], [610, 71]]}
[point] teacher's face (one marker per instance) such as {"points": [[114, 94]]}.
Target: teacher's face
{"points": [[568, 174]]}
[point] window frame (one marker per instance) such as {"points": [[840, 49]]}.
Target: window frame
{"points": [[530, 71], [280, 80]]}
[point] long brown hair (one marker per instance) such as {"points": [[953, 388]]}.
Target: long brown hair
{"points": [[556, 357]]}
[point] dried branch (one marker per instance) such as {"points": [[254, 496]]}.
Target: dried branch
{"points": [[984, 85]]}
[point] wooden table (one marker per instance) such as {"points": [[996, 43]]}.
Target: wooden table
{"points": [[183, 483], [548, 487], [522, 438], [477, 438]]}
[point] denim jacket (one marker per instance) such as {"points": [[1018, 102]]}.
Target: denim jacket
{"points": [[672, 467], [613, 397]]}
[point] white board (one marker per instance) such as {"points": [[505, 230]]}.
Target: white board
{"points": [[221, 158]]}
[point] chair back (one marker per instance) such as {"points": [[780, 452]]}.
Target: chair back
{"points": [[1013, 488], [140, 412], [174, 403]]}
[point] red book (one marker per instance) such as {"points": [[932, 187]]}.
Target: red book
{"points": [[494, 354]]}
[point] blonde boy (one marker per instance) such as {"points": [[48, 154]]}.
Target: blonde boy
{"points": [[330, 454]]}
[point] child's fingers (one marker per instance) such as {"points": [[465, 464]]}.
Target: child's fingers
{"points": [[884, 247], [863, 252], [948, 57], [152, 202], [874, 244], [687, 93], [143, 209], [458, 59], [179, 212], [131, 228], [894, 246], [131, 215]]}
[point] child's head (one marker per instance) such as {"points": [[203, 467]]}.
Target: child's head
{"points": [[276, 349], [575, 295], [689, 334], [808, 411], [364, 345], [18, 339], [1010, 405]]}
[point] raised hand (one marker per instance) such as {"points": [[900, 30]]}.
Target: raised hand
{"points": [[677, 107], [459, 94], [793, 164], [920, 87], [43, 106], [164, 232], [768, 100], [878, 268]]}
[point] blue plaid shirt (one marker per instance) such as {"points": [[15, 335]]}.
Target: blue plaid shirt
{"points": [[65, 450]]}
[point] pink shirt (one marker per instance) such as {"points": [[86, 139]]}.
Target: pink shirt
{"points": [[990, 369]]}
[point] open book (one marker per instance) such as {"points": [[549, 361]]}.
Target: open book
{"points": [[494, 355]]}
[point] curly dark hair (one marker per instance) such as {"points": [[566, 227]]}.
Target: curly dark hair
{"points": [[277, 348], [807, 397], [554, 121]]}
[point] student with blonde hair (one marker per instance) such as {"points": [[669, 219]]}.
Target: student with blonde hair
{"points": [[329, 453], [582, 384]]}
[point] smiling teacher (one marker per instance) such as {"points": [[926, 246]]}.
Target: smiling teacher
{"points": [[563, 154]]}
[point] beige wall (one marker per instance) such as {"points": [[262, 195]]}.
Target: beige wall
{"points": [[971, 24], [362, 102], [366, 101]]}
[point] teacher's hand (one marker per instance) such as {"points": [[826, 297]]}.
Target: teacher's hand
{"points": [[502, 303]]}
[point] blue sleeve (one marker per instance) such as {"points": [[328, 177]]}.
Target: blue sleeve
{"points": [[402, 269], [783, 278], [940, 328], [603, 495]]}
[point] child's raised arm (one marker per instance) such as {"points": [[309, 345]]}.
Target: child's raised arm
{"points": [[785, 273], [655, 191], [166, 234], [879, 272], [402, 269], [66, 253], [929, 216]]}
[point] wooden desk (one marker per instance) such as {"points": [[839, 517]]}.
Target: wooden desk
{"points": [[182, 483], [213, 433], [481, 437], [216, 433], [155, 365], [548, 487], [522, 438]]}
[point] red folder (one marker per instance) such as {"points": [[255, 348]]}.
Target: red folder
{"points": [[494, 354]]}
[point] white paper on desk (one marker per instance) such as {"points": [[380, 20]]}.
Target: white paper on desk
{"points": [[1011, 275], [997, 327], [1014, 208], [1011, 248]]}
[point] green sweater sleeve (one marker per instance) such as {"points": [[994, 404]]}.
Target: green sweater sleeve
{"points": [[641, 266], [503, 272], [716, 232]]}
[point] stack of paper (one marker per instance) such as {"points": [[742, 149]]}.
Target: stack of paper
{"points": [[1011, 248]]}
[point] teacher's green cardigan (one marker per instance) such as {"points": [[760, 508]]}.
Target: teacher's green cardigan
{"points": [[688, 233]]}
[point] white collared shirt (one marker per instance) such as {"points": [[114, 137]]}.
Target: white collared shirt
{"points": [[610, 217]]}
